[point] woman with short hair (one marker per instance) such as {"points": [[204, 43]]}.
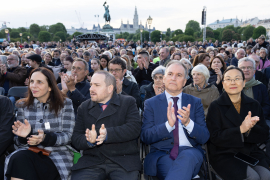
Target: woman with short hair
{"points": [[236, 124], [200, 87], [45, 122], [264, 62]]}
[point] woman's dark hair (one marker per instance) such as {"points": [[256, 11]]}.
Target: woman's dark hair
{"points": [[69, 58], [56, 98], [231, 68], [199, 58], [106, 58], [221, 60]]}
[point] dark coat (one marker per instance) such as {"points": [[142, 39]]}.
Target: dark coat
{"points": [[131, 89], [144, 74], [149, 91], [234, 62], [6, 122], [41, 65], [213, 79], [261, 95], [223, 122], [122, 121], [16, 77], [262, 77], [59, 78]]}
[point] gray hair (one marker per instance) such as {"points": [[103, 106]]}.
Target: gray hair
{"points": [[3, 59], [240, 49], [263, 49], [109, 79], [247, 59], [220, 54], [254, 55], [158, 70], [178, 63], [186, 60], [108, 53], [202, 69], [194, 50], [84, 62]]}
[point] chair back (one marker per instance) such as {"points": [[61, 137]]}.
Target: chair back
{"points": [[18, 91], [2, 91]]}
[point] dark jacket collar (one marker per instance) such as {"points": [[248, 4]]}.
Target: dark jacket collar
{"points": [[126, 82], [224, 99], [114, 100]]}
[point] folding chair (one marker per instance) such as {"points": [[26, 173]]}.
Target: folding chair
{"points": [[2, 91], [210, 168], [18, 91]]}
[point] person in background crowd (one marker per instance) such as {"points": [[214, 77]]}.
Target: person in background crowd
{"points": [[118, 68], [48, 60], [259, 75], [176, 56], [144, 70], [200, 87], [104, 61], [164, 56], [248, 50], [202, 58], [251, 42], [189, 67], [227, 58], [74, 55], [95, 66], [122, 52], [86, 57], [80, 53], [107, 130], [52, 134], [62, 58], [175, 140], [76, 86], [68, 61], [264, 62], [236, 124], [193, 54], [6, 121], [56, 57], [211, 53], [261, 43], [238, 55]]}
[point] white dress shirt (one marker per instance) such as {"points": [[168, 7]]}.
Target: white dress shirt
{"points": [[183, 141]]}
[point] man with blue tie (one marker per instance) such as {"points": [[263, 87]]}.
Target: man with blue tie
{"points": [[174, 125]]}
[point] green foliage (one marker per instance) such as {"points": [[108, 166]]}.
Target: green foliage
{"points": [[22, 29], [189, 32], [194, 25], [2, 35], [168, 32], [216, 34], [145, 36], [34, 29], [197, 35], [248, 31], [258, 32], [210, 33], [155, 36], [240, 31], [61, 34], [130, 37], [236, 36], [125, 35], [227, 35], [178, 31], [44, 36], [186, 38], [76, 34], [14, 34], [25, 34], [176, 38], [3, 30], [44, 28], [56, 38], [208, 38], [210, 29], [57, 27], [231, 27]]}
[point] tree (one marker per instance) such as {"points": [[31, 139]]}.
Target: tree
{"points": [[56, 38], [194, 25], [44, 36], [125, 35], [210, 33], [168, 32], [189, 31], [240, 31], [22, 29], [258, 32], [130, 37], [25, 34], [176, 38], [178, 31], [76, 34], [231, 27], [145, 36], [62, 35], [2, 35], [155, 36], [227, 35], [236, 36], [216, 34], [197, 34], [14, 34], [248, 31], [210, 29], [57, 27], [34, 29], [44, 28], [186, 38]]}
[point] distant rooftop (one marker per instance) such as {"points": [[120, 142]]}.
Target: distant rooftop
{"points": [[223, 21], [264, 21]]}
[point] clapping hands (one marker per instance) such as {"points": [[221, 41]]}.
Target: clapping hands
{"points": [[248, 123], [91, 135]]}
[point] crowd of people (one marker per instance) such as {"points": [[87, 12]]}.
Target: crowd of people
{"points": [[89, 103]]}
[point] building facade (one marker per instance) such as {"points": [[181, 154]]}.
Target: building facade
{"points": [[225, 22], [250, 22]]}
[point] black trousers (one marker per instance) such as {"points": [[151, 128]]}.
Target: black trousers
{"points": [[107, 170]]}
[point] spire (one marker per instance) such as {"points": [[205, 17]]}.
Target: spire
{"points": [[136, 11], [121, 21]]}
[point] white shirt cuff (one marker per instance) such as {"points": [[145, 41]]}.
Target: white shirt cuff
{"points": [[169, 128], [189, 127]]}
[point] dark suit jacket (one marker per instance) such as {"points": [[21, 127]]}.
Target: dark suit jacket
{"points": [[6, 122], [260, 76], [141, 75], [234, 62], [132, 89], [223, 122], [261, 95], [122, 121], [16, 77], [155, 133]]}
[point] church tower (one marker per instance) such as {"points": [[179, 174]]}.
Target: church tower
{"points": [[136, 19]]}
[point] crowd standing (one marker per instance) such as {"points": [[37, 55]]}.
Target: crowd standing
{"points": [[89, 103]]}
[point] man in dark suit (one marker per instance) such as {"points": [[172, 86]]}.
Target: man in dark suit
{"points": [[260, 75], [118, 68], [239, 55], [110, 149], [175, 134], [6, 121]]}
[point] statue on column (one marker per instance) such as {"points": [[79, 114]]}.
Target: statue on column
{"points": [[107, 16]]}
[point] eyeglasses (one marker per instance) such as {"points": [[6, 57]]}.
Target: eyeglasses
{"points": [[76, 68], [115, 70], [235, 80], [244, 68]]}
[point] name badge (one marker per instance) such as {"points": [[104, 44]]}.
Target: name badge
{"points": [[47, 126]]}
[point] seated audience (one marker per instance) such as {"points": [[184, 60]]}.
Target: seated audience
{"points": [[236, 124], [262, 76], [202, 58], [48, 60], [264, 62], [174, 126], [104, 61], [56, 57], [68, 61], [95, 66], [200, 87], [189, 67], [45, 121], [107, 130], [240, 53], [164, 56]]}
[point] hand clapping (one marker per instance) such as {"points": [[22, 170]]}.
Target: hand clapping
{"points": [[248, 123], [21, 129], [36, 139], [91, 136]]}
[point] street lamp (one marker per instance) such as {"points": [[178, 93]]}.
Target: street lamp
{"points": [[141, 30], [149, 20], [28, 37], [6, 31], [21, 37]]}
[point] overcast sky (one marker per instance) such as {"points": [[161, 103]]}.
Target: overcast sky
{"points": [[171, 13]]}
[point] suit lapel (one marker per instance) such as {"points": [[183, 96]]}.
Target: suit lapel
{"points": [[94, 110], [110, 110], [163, 105]]}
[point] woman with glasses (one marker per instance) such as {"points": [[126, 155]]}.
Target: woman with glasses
{"points": [[236, 124], [45, 122]]}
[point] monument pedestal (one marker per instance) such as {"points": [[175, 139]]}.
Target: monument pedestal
{"points": [[107, 30]]}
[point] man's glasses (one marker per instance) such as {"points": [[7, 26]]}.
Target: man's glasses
{"points": [[76, 68], [115, 70], [248, 68]]}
